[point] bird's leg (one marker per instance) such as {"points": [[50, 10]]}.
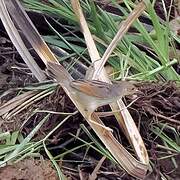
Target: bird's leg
{"points": [[111, 113]]}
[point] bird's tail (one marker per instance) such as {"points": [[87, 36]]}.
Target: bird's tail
{"points": [[59, 73]]}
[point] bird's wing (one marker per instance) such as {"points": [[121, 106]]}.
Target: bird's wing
{"points": [[94, 88]]}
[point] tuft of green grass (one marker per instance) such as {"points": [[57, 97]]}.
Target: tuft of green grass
{"points": [[156, 39]]}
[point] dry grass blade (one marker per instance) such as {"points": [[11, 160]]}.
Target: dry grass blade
{"points": [[21, 102], [25, 24], [124, 158], [93, 176], [36, 96], [93, 52], [124, 118], [18, 43], [16, 101], [21, 19]]}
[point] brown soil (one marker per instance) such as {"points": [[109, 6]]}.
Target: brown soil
{"points": [[29, 169]]}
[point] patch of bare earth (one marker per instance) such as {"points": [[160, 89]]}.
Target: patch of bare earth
{"points": [[28, 169]]}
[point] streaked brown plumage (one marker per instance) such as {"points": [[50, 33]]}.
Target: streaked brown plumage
{"points": [[90, 93]]}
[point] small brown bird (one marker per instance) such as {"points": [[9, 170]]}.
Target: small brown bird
{"points": [[91, 94]]}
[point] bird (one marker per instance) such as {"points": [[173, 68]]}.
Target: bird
{"points": [[91, 94]]}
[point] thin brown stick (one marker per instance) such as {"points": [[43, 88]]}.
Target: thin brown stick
{"points": [[93, 175]]}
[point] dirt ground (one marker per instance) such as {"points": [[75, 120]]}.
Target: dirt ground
{"points": [[29, 169]]}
